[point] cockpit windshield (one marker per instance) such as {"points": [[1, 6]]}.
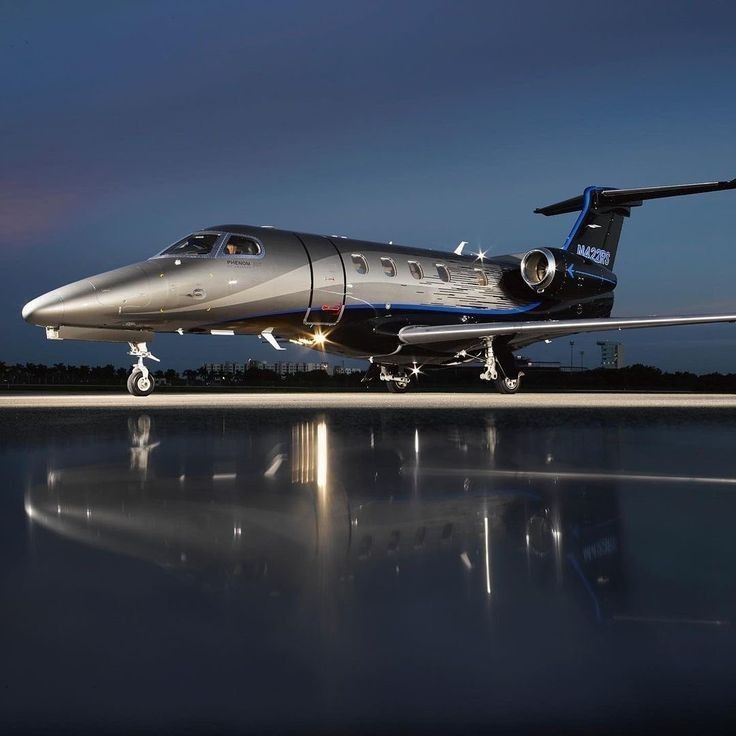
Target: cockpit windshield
{"points": [[197, 244]]}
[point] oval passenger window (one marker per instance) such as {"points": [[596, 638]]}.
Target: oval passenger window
{"points": [[389, 267], [360, 263], [416, 270], [442, 272]]}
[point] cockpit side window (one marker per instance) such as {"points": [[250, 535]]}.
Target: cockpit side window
{"points": [[197, 244], [240, 245]]}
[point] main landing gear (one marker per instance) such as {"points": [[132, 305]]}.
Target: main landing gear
{"points": [[499, 368], [396, 383], [494, 370], [140, 381]]}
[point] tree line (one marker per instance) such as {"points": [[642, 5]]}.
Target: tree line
{"points": [[635, 377]]}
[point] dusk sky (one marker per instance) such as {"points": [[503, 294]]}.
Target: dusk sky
{"points": [[126, 125]]}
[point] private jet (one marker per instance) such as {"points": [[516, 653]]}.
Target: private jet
{"points": [[404, 309]]}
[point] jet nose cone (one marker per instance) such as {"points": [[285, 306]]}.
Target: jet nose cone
{"points": [[72, 305], [45, 310]]}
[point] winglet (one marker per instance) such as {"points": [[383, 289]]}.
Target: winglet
{"points": [[459, 250]]}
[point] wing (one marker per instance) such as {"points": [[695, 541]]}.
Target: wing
{"points": [[525, 333]]}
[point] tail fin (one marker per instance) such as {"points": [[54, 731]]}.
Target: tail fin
{"points": [[597, 230]]}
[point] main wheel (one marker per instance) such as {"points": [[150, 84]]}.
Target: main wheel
{"points": [[139, 384], [395, 387], [508, 385]]}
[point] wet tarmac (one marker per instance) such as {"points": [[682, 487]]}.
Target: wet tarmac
{"points": [[367, 571]]}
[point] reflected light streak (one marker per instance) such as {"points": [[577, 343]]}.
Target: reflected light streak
{"points": [[571, 475], [322, 456], [302, 444], [488, 556]]}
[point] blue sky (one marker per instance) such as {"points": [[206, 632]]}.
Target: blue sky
{"points": [[127, 124]]}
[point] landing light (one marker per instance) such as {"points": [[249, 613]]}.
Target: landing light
{"points": [[319, 339]]}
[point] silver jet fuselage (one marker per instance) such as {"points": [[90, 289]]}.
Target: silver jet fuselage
{"points": [[356, 294]]}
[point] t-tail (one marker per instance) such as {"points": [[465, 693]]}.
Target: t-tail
{"points": [[597, 230]]}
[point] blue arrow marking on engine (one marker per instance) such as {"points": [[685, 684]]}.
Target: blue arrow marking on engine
{"points": [[570, 272]]}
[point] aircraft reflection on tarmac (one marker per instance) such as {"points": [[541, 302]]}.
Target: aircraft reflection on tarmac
{"points": [[314, 508]]}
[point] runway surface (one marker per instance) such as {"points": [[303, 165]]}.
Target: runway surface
{"points": [[429, 401]]}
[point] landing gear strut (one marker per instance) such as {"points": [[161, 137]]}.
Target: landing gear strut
{"points": [[490, 373], [140, 380]]}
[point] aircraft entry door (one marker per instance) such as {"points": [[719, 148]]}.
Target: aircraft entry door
{"points": [[328, 281]]}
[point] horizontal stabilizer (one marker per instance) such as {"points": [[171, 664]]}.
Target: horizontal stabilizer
{"points": [[632, 197]]}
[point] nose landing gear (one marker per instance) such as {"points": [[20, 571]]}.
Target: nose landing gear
{"points": [[140, 381]]}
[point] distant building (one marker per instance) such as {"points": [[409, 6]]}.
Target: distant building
{"points": [[282, 368], [524, 362], [341, 370], [225, 368], [286, 368], [612, 354]]}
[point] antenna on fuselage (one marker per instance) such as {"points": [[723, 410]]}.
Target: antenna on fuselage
{"points": [[459, 250]]}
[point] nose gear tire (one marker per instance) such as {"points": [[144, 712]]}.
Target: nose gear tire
{"points": [[140, 385]]}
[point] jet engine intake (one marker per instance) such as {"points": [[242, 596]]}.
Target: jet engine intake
{"points": [[559, 274]]}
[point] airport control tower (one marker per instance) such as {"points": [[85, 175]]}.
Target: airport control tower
{"points": [[612, 354]]}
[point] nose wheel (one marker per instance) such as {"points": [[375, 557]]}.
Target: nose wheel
{"points": [[140, 384], [140, 381]]}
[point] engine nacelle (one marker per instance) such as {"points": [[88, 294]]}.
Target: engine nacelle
{"points": [[561, 275]]}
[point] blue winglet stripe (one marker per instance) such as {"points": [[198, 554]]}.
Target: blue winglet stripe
{"points": [[587, 197]]}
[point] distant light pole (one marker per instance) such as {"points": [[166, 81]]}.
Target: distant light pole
{"points": [[582, 354], [572, 345]]}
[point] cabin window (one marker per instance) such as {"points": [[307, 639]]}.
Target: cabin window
{"points": [[389, 267], [239, 245], [360, 263], [442, 272], [416, 270], [197, 244], [480, 277]]}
